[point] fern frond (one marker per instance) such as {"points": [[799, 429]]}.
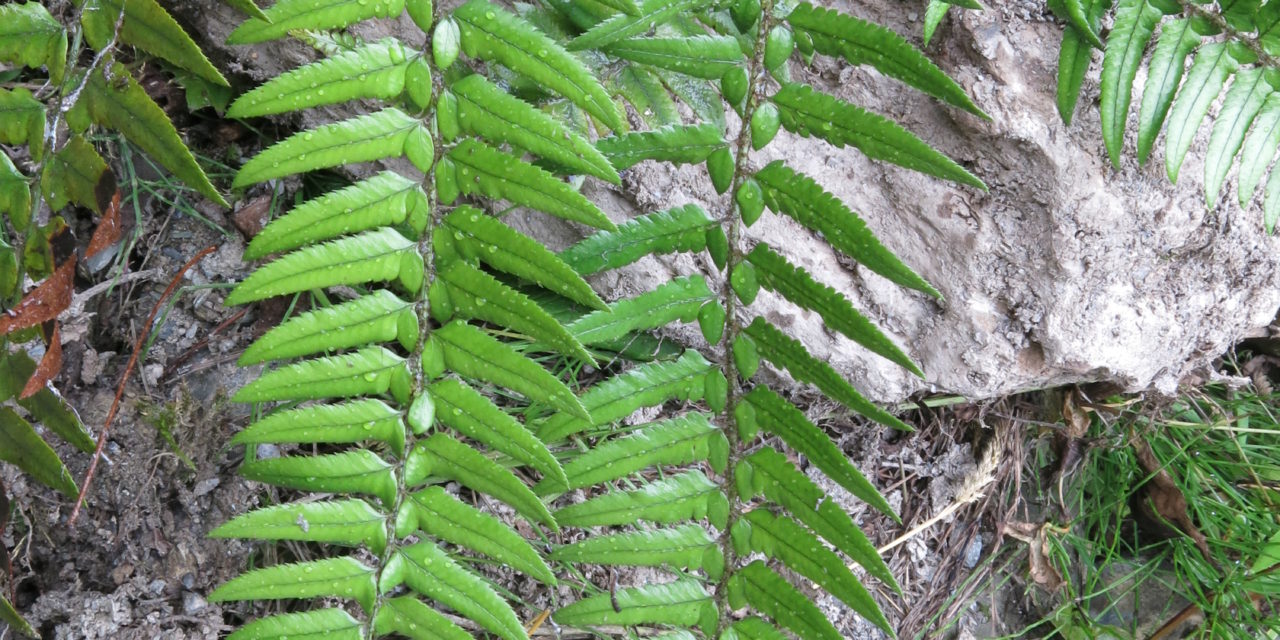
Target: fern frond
{"points": [[294, 15], [483, 170], [678, 498], [781, 538], [623, 26], [1213, 64], [331, 624], [491, 113], [644, 386], [491, 33], [767, 472], [684, 547], [643, 89], [357, 471], [474, 354], [341, 577], [806, 111], [1177, 40], [679, 229], [707, 57], [444, 456], [1261, 144], [754, 628], [352, 421], [24, 448], [375, 136], [769, 593], [373, 70], [684, 603], [1135, 22], [790, 354], [384, 199], [799, 287], [510, 251], [677, 144], [860, 42], [411, 618], [435, 512], [148, 27], [374, 256], [1249, 91], [31, 37], [679, 299], [676, 441], [427, 569], [798, 196], [763, 408], [378, 317], [349, 522], [369, 371]]}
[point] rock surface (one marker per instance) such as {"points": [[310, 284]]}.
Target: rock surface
{"points": [[1065, 271]]}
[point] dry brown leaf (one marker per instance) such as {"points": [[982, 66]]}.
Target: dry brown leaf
{"points": [[1035, 535], [48, 368], [43, 303], [1159, 505], [252, 217], [108, 231]]}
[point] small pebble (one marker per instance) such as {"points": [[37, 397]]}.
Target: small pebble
{"points": [[973, 553], [205, 486], [193, 603]]}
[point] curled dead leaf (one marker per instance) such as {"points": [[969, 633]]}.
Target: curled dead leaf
{"points": [[43, 303], [108, 231], [49, 366]]}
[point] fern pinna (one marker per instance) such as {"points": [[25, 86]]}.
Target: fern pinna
{"points": [[420, 357], [1204, 50], [393, 385], [708, 493]]}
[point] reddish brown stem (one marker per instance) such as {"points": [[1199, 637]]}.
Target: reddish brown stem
{"points": [[128, 371]]}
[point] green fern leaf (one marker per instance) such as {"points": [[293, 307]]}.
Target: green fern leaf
{"points": [[15, 193], [707, 57], [348, 522], [623, 26], [370, 71], [10, 617], [322, 15], [679, 498], [781, 538], [346, 422], [642, 88], [330, 624], [1259, 147], [677, 144], [472, 414], [248, 7], [483, 170], [374, 318], [443, 456], [805, 111], [356, 471], [1248, 92], [71, 174], [510, 251], [779, 417], [678, 229], [684, 547], [769, 593], [439, 514], [374, 256], [861, 42], [1077, 15], [22, 447], [491, 113], [409, 617], [47, 408], [476, 294], [427, 569], [1074, 57], [492, 33], [1177, 40], [341, 577], [1135, 21], [754, 628], [123, 105], [150, 28], [798, 196], [1213, 64], [702, 97], [798, 286], [374, 136], [647, 385], [679, 299], [683, 603], [22, 119], [676, 441], [473, 354], [788, 353], [767, 472], [31, 37], [383, 200], [370, 371]]}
